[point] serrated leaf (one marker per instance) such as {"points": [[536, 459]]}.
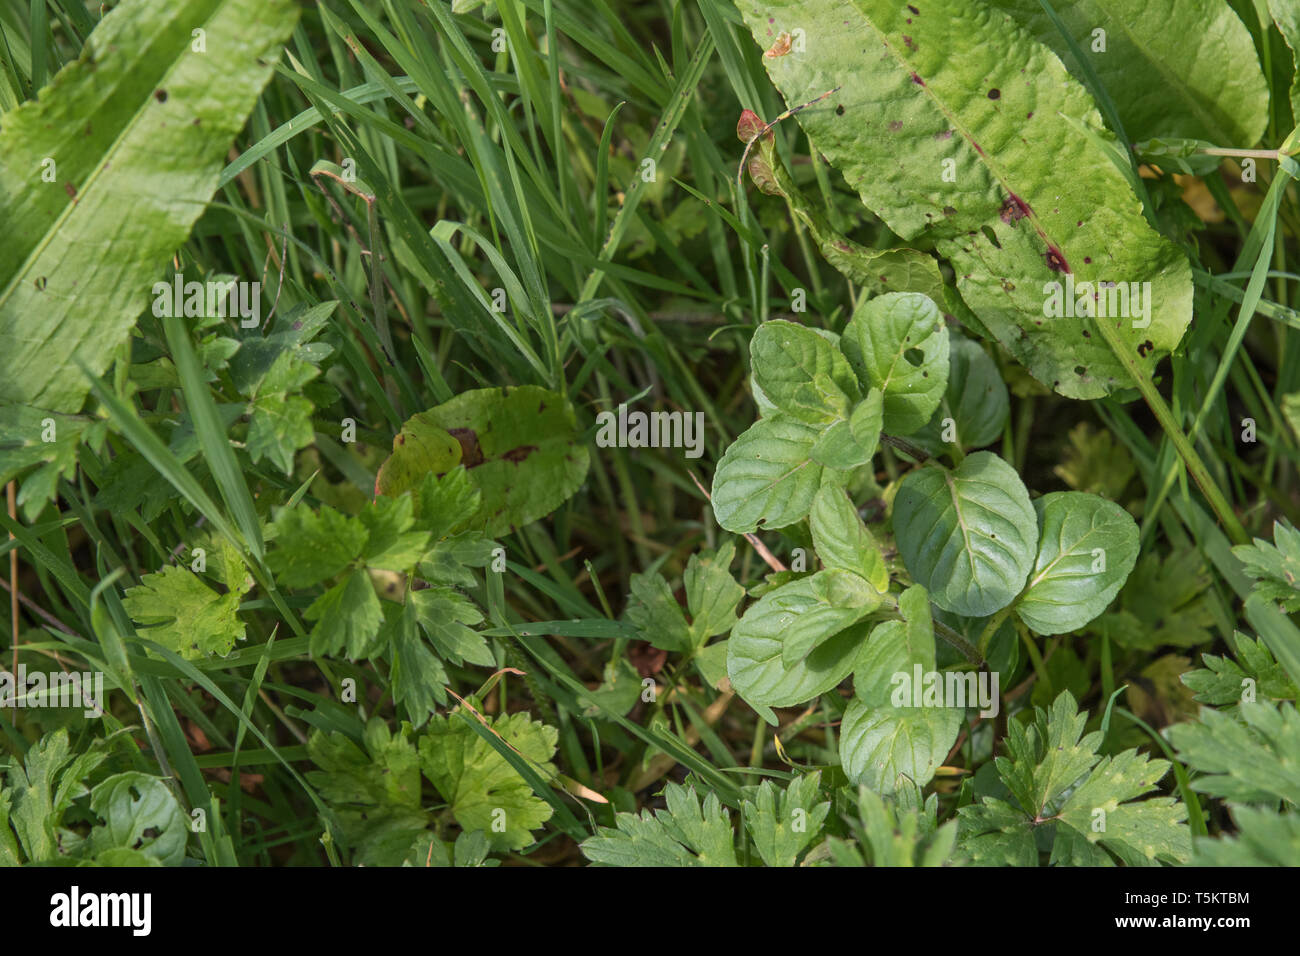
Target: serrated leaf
{"points": [[1263, 838], [418, 678], [687, 833], [1057, 779], [1251, 759], [180, 612], [968, 535], [802, 373], [314, 546], [390, 542], [1225, 681], [655, 613], [712, 594], [784, 823], [347, 616], [448, 617], [1274, 567], [949, 89], [139, 133], [280, 425], [898, 343], [480, 785], [1087, 547], [42, 787], [766, 476]]}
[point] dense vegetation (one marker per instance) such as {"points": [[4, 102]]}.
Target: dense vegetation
{"points": [[566, 431]]}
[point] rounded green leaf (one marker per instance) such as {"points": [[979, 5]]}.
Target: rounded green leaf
{"points": [[842, 540], [881, 745], [766, 476], [1087, 547], [801, 372], [898, 343], [967, 535], [798, 613], [976, 401]]}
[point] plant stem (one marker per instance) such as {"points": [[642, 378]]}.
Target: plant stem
{"points": [[1195, 467]]}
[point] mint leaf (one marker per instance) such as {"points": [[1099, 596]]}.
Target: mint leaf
{"points": [[968, 535]]}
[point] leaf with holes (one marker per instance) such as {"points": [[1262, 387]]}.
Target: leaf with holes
{"points": [[766, 475], [899, 344], [951, 124]]}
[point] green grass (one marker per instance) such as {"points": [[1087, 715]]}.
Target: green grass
{"points": [[480, 168]]}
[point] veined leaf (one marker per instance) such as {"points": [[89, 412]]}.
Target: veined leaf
{"points": [[884, 737], [899, 344], [958, 88], [766, 476], [1087, 547], [138, 129], [968, 535], [754, 653], [1199, 79], [976, 400], [843, 541], [801, 372]]}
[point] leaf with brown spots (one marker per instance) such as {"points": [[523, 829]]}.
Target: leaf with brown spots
{"points": [[1029, 201], [520, 448]]}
